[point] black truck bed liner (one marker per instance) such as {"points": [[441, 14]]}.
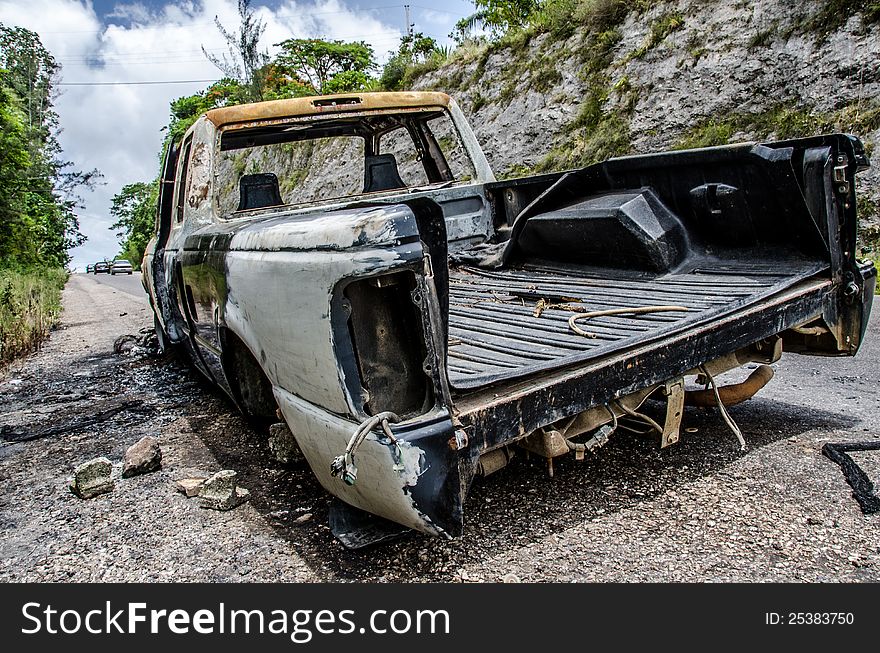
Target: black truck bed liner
{"points": [[494, 335]]}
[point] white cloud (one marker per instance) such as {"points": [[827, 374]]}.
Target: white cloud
{"points": [[116, 128], [433, 17], [134, 12]]}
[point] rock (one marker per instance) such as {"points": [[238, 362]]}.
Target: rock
{"points": [[143, 457], [302, 519], [190, 486], [92, 478], [283, 445], [220, 492]]}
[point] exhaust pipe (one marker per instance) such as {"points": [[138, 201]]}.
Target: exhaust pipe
{"points": [[733, 394]]}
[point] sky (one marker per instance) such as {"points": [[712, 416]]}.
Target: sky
{"points": [[121, 63]]}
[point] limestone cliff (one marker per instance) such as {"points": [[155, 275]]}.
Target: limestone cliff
{"points": [[604, 80]]}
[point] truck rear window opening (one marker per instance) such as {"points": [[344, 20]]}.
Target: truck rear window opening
{"points": [[305, 162]]}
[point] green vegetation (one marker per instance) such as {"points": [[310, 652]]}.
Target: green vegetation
{"points": [[134, 208], [38, 191], [696, 46], [660, 29], [417, 55], [326, 66], [246, 62], [596, 133], [496, 16], [706, 134], [869, 229], [869, 232], [523, 19], [30, 302], [833, 14], [38, 195], [516, 24], [608, 138], [781, 122]]}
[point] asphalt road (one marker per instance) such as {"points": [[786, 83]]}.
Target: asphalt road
{"points": [[701, 510], [127, 283]]}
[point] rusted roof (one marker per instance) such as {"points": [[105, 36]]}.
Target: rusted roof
{"points": [[306, 106]]}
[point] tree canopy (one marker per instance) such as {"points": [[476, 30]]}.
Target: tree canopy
{"points": [[38, 190], [134, 208], [327, 66], [496, 16], [246, 62], [414, 49]]}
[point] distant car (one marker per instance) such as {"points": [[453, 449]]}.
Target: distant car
{"points": [[90, 268], [120, 267], [101, 266]]}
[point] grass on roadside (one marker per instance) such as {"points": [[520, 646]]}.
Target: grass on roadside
{"points": [[30, 303]]}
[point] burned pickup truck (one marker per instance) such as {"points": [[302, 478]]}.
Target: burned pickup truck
{"points": [[351, 263]]}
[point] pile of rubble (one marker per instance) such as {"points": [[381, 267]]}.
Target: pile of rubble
{"points": [[95, 477]]}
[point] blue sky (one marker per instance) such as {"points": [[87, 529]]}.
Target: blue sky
{"points": [[111, 119], [432, 17]]}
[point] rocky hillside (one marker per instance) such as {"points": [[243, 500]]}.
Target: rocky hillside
{"points": [[602, 78]]}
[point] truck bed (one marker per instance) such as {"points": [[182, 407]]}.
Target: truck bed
{"points": [[495, 336]]}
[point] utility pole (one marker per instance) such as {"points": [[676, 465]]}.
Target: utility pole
{"points": [[409, 23]]}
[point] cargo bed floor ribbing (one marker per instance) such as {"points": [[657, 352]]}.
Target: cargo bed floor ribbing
{"points": [[494, 334]]}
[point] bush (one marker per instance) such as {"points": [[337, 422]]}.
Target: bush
{"points": [[30, 303]]}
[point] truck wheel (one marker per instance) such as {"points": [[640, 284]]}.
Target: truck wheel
{"points": [[253, 391]]}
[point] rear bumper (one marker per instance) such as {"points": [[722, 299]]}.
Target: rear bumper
{"points": [[868, 275], [425, 494]]}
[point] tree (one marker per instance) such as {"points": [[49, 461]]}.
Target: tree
{"points": [[279, 83], [497, 16], [14, 165], [186, 110], [246, 61], [32, 71], [134, 208], [327, 66], [40, 191], [414, 49]]}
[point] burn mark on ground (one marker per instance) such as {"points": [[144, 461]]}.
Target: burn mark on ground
{"points": [[863, 489]]}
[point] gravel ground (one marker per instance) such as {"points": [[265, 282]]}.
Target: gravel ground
{"points": [[700, 510]]}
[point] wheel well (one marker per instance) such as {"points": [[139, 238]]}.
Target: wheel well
{"points": [[250, 386]]}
